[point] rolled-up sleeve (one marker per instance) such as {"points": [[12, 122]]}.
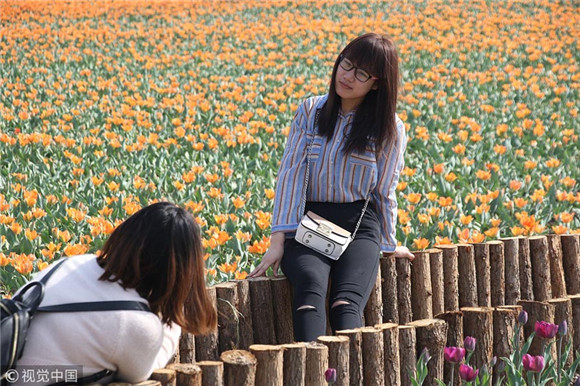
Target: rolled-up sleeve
{"points": [[290, 181], [390, 162]]}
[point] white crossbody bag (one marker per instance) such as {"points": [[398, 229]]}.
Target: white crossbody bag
{"points": [[318, 233]]}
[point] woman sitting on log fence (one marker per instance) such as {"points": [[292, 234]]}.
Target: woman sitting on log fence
{"points": [[340, 168]]}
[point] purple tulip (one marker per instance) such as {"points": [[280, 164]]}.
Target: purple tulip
{"points": [[546, 330], [563, 328], [467, 373], [330, 375], [469, 343], [533, 364], [454, 354], [523, 317]]}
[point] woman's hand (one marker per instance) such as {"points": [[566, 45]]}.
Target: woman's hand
{"points": [[403, 253], [273, 256]]}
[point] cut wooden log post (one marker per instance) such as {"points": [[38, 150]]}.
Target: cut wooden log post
{"points": [[467, 279], [188, 374], [294, 363], [540, 268], [436, 267], [392, 363], [407, 353], [269, 370], [432, 335], [338, 356], [239, 368], [478, 323], [512, 270], [571, 262], [316, 363], [245, 314], [421, 291], [517, 309], [526, 282], [537, 312], [212, 373], [186, 347], [207, 346], [373, 311], [389, 288], [482, 272], [450, 277], [282, 293], [575, 299], [404, 290], [497, 273], [505, 322], [558, 282], [262, 310], [355, 361], [454, 320], [563, 312], [373, 356], [228, 315], [165, 376]]}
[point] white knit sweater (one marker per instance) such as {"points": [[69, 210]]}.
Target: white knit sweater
{"points": [[131, 343]]}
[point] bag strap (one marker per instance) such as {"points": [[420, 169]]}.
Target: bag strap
{"points": [[97, 306], [45, 278], [306, 178]]}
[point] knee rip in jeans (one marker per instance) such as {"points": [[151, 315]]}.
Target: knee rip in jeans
{"points": [[339, 303], [305, 308]]}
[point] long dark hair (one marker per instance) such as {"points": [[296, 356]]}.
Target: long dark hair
{"points": [[157, 251], [374, 119]]}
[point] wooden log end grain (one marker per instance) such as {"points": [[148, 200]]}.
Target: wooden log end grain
{"points": [[478, 323], [316, 363], [432, 335], [338, 356], [355, 364], [212, 373], [166, 376], [239, 368], [373, 355], [294, 363], [188, 374], [454, 320], [269, 370], [391, 358]]}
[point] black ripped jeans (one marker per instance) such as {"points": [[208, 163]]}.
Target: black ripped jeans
{"points": [[351, 277]]}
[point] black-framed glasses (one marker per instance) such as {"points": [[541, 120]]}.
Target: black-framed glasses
{"points": [[360, 74]]}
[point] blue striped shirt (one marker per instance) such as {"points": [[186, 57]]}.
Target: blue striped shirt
{"points": [[334, 176]]}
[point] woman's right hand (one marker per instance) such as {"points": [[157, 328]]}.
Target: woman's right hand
{"points": [[272, 257]]}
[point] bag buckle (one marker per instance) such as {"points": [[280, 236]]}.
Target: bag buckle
{"points": [[324, 229]]}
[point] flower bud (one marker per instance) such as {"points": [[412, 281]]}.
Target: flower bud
{"points": [[533, 364], [563, 328], [467, 373], [546, 330], [330, 375], [469, 343], [523, 317]]}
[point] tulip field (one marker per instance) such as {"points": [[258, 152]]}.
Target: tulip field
{"points": [[107, 106]]}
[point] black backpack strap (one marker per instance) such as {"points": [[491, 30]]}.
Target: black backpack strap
{"points": [[45, 278], [97, 306]]}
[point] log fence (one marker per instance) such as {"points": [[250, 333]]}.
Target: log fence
{"points": [[446, 294]]}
